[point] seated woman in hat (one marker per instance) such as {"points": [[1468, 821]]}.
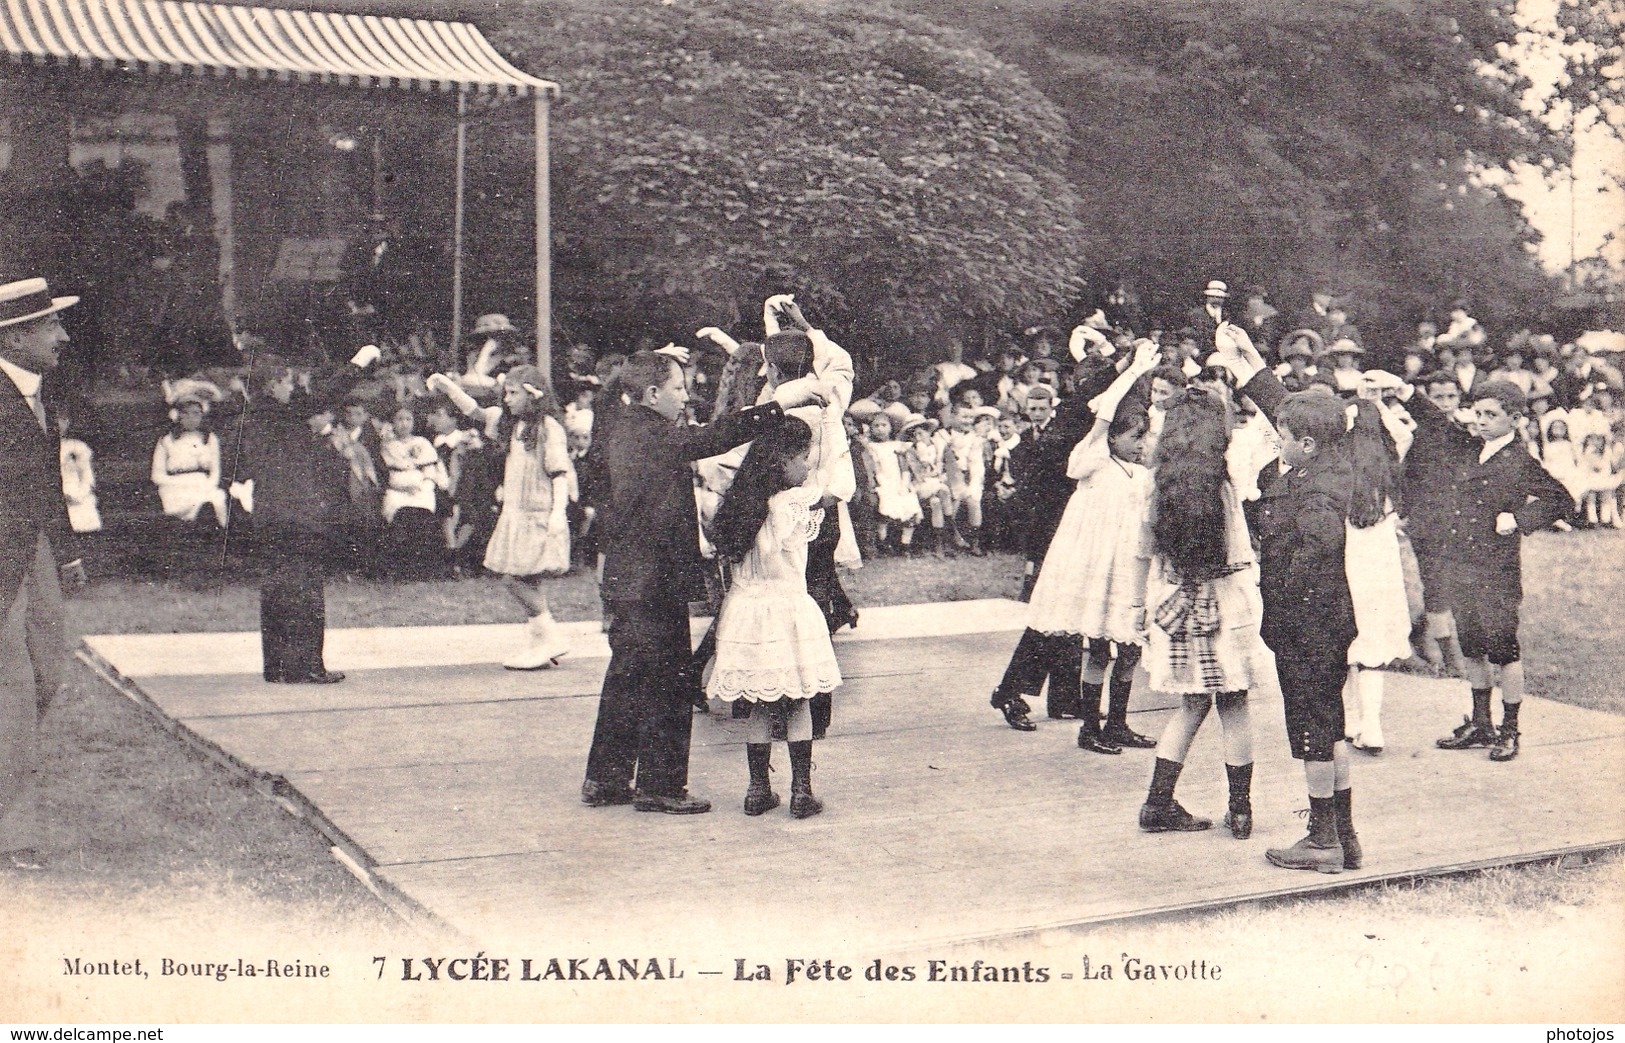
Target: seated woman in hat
{"points": [[497, 351], [186, 460]]}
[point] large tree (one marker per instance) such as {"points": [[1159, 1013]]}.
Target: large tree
{"points": [[1338, 144], [907, 184]]}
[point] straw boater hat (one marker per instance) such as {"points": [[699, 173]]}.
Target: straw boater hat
{"points": [[28, 299], [914, 421], [1344, 346], [898, 414], [492, 323], [1217, 290]]}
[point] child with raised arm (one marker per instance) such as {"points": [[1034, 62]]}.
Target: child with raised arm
{"points": [[1300, 521], [1092, 586], [531, 540]]}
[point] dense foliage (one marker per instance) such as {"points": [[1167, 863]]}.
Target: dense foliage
{"points": [[910, 186], [920, 187]]}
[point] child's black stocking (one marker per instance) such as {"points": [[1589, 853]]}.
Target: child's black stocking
{"points": [[759, 756], [801, 766], [1164, 777], [1128, 657]]}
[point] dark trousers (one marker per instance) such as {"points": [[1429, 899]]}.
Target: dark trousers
{"points": [[293, 611], [647, 705], [1037, 657], [824, 579]]}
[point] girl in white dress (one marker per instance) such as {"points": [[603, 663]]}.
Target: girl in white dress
{"points": [[1376, 576], [531, 540], [773, 650], [186, 464], [78, 480], [412, 547], [894, 489], [1092, 585]]}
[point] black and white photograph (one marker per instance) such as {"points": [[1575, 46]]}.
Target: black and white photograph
{"points": [[543, 512]]}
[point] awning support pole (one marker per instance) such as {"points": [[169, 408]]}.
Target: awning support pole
{"points": [[544, 244], [457, 233]]}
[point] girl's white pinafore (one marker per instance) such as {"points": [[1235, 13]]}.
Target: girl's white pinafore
{"points": [[772, 641]]}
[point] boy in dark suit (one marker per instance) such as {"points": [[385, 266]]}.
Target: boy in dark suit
{"points": [[1308, 620], [1496, 493], [1430, 466], [651, 567], [301, 493]]}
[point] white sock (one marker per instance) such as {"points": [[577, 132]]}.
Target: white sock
{"points": [[1370, 686]]}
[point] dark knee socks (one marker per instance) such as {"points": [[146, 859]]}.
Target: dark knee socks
{"points": [[1128, 657], [759, 756], [1343, 805], [1240, 777], [1323, 821], [1164, 776], [1509, 715], [801, 766]]}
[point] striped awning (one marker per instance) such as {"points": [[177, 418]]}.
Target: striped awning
{"points": [[260, 42]]}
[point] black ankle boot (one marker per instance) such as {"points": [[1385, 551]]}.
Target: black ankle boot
{"points": [[759, 797], [1343, 806], [802, 802], [1239, 816]]}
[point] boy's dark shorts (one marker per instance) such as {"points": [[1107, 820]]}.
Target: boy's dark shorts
{"points": [[1486, 616], [1312, 693], [1429, 568]]}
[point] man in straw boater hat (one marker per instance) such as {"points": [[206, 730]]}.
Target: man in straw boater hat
{"points": [[33, 527]]}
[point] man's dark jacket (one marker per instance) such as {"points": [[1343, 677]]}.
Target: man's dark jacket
{"points": [[651, 535]]}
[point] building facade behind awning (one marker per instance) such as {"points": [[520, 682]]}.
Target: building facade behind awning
{"points": [[199, 41]]}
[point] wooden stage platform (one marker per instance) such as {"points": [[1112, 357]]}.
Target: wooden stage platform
{"points": [[453, 785]]}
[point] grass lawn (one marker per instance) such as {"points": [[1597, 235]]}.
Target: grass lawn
{"points": [[140, 825]]}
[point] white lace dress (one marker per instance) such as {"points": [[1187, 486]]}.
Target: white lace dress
{"points": [[772, 641], [1093, 580]]}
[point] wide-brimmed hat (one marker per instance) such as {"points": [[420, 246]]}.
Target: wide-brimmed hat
{"points": [[862, 409], [492, 323], [1344, 346], [898, 414], [29, 299], [189, 389], [1217, 288], [914, 421], [1303, 337]]}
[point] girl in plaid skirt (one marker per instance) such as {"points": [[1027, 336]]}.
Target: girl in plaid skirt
{"points": [[1203, 606]]}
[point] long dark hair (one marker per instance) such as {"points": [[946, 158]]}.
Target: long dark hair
{"points": [[760, 478], [1375, 463], [1188, 511]]}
